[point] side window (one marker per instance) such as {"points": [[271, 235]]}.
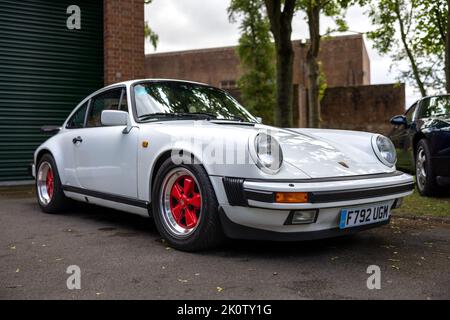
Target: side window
{"points": [[411, 112], [424, 105], [108, 100], [77, 120]]}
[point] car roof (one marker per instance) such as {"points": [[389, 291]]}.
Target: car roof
{"points": [[131, 82]]}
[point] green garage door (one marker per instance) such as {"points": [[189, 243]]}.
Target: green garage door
{"points": [[45, 70]]}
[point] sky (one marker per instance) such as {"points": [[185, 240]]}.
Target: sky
{"points": [[196, 24]]}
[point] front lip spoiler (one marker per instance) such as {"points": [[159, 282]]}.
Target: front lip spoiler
{"points": [[237, 231]]}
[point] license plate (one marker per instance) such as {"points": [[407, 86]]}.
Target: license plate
{"points": [[358, 216]]}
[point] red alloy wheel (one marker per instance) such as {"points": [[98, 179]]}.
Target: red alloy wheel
{"points": [[185, 202], [49, 183]]}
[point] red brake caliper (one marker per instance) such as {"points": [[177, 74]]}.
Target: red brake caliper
{"points": [[185, 202], [49, 183]]}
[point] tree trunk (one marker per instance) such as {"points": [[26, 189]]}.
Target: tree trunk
{"points": [[409, 53], [314, 117], [281, 27], [447, 50], [285, 92]]}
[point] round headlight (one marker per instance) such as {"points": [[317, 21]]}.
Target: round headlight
{"points": [[267, 153], [385, 150]]}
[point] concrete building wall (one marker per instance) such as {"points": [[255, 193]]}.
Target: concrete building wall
{"points": [[123, 40]]}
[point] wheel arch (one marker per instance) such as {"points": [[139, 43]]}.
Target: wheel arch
{"points": [[41, 153], [163, 156], [56, 157], [417, 137]]}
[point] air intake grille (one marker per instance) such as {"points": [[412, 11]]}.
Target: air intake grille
{"points": [[235, 191]]}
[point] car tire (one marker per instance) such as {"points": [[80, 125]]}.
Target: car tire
{"points": [[425, 178], [49, 190], [185, 207]]}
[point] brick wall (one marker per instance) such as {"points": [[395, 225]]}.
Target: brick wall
{"points": [[211, 66], [345, 62], [123, 40], [364, 108]]}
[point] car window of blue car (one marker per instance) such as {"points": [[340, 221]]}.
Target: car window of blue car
{"points": [[435, 106]]}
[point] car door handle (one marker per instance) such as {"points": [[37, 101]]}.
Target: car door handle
{"points": [[76, 140]]}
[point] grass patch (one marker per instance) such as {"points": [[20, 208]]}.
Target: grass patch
{"points": [[425, 206]]}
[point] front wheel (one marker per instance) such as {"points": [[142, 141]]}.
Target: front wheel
{"points": [[425, 178], [185, 207]]}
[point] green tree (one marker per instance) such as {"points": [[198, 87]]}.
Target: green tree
{"points": [[148, 32], [433, 24], [257, 54], [316, 82], [413, 31], [280, 14]]}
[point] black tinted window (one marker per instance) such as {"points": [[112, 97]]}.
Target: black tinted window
{"points": [[435, 106], [109, 100], [77, 120]]}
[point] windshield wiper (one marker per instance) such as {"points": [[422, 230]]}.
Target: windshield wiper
{"points": [[158, 115], [200, 115]]}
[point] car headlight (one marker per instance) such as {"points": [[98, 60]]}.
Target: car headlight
{"points": [[385, 150], [266, 152]]}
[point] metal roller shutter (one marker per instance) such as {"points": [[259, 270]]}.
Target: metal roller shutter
{"points": [[45, 70]]}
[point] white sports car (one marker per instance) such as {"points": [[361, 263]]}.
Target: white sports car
{"points": [[204, 168]]}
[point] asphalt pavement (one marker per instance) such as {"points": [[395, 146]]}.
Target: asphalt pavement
{"points": [[122, 256]]}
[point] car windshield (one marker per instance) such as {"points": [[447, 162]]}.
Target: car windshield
{"points": [[175, 100], [436, 106]]}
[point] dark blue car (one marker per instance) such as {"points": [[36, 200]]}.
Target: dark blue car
{"points": [[422, 139]]}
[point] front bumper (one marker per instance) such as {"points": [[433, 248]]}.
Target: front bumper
{"points": [[249, 206]]}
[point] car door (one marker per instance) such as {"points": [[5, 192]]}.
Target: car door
{"points": [[72, 129], [106, 157], [402, 136]]}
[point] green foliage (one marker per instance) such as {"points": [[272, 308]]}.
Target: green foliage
{"points": [[432, 24], [417, 205], [412, 31], [334, 9], [257, 55], [148, 32]]}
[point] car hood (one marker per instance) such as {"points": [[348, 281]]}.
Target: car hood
{"points": [[313, 155], [319, 157]]}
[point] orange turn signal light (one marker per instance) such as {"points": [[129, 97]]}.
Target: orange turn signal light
{"points": [[291, 197]]}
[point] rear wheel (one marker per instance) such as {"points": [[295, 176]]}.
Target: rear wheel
{"points": [[49, 191], [185, 207]]}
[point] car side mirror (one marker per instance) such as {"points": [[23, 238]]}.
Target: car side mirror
{"points": [[114, 118], [259, 119], [399, 121]]}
